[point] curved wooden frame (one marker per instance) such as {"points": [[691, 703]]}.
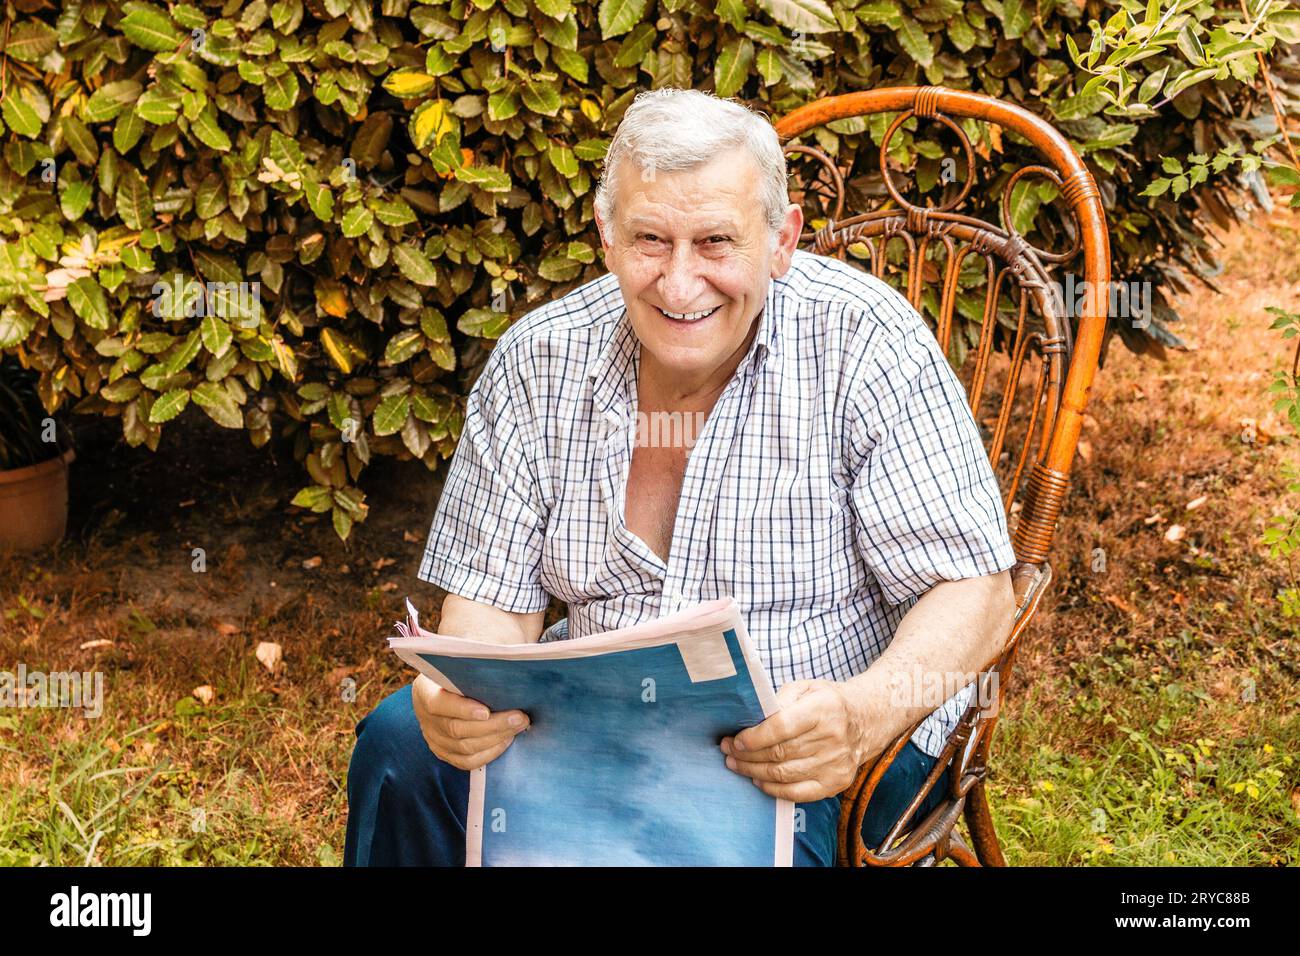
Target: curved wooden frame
{"points": [[966, 752]]}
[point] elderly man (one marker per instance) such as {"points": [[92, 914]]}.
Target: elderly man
{"points": [[835, 486]]}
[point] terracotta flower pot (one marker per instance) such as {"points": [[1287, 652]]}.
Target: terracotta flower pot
{"points": [[34, 504]]}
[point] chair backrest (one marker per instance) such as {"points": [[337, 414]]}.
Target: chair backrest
{"points": [[1028, 395]]}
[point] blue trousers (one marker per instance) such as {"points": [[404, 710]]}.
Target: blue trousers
{"points": [[408, 808]]}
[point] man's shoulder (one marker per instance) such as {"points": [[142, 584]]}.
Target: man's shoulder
{"points": [[852, 301]]}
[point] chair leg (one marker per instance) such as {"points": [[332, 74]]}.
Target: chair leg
{"points": [[959, 852], [980, 823]]}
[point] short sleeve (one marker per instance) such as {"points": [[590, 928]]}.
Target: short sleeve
{"points": [[926, 500], [486, 540]]}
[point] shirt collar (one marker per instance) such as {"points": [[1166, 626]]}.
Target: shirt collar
{"points": [[615, 361]]}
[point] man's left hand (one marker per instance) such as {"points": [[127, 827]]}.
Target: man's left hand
{"points": [[810, 749]]}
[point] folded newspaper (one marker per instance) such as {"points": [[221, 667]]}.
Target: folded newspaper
{"points": [[621, 765]]}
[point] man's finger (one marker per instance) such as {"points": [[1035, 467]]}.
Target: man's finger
{"points": [[784, 725], [806, 791], [494, 726], [789, 771], [483, 758], [446, 703], [473, 745]]}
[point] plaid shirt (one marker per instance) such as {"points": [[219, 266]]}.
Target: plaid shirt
{"points": [[839, 476]]}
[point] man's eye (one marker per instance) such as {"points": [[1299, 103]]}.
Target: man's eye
{"points": [[719, 238]]}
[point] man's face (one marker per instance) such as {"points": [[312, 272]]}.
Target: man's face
{"points": [[692, 242]]}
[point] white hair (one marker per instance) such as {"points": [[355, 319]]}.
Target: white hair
{"points": [[669, 130]]}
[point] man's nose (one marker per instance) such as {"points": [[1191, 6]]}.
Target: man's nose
{"points": [[682, 281]]}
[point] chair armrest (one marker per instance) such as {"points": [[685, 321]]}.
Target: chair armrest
{"points": [[964, 754]]}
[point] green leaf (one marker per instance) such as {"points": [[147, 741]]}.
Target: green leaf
{"points": [[216, 401], [483, 323], [394, 212], [216, 335], [31, 40], [83, 144], [88, 301], [151, 30], [733, 67], [636, 45], [315, 497], [391, 414], [616, 17], [134, 204], [127, 131], [415, 265], [157, 108], [542, 98], [169, 405], [209, 133], [15, 326], [356, 221], [184, 354], [74, 198], [320, 199], [20, 114], [804, 16], [731, 12], [1190, 45], [562, 158], [574, 64], [769, 66], [281, 92], [1285, 23], [502, 105], [488, 178], [1024, 206], [403, 345], [1016, 18], [109, 100], [915, 42]]}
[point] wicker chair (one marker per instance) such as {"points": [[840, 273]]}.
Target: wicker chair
{"points": [[1034, 426]]}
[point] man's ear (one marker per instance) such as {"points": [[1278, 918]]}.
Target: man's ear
{"points": [[787, 240], [600, 228]]}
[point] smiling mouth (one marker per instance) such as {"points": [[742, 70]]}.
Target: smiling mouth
{"points": [[687, 318]]}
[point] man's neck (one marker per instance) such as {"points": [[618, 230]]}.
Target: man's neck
{"points": [[664, 389]]}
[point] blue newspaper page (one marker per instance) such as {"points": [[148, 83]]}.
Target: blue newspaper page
{"points": [[621, 765]]}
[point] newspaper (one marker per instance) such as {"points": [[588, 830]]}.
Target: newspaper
{"points": [[620, 766]]}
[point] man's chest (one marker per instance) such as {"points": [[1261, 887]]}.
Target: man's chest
{"points": [[758, 509]]}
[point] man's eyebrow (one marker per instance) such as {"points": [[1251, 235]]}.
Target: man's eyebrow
{"points": [[639, 222]]}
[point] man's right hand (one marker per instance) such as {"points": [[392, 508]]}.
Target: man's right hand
{"points": [[460, 730]]}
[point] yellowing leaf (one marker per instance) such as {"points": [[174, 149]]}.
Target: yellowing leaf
{"points": [[408, 83], [333, 299], [431, 122], [336, 348]]}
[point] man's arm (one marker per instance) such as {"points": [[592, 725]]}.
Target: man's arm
{"points": [[461, 730], [812, 747], [956, 628], [477, 621]]}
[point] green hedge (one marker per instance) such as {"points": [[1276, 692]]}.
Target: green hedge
{"points": [[401, 179]]}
